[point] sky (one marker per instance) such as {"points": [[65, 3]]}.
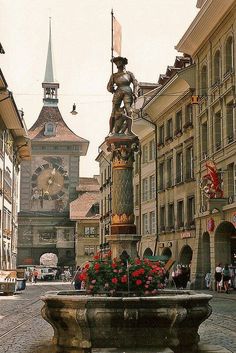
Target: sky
{"points": [[81, 44]]}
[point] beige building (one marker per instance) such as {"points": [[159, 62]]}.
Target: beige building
{"points": [[210, 40], [171, 130], [14, 148], [84, 211]]}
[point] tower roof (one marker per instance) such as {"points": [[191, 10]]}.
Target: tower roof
{"points": [[62, 133], [49, 74]]}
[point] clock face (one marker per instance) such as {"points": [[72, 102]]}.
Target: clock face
{"points": [[50, 181]]}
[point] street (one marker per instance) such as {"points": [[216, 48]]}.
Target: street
{"points": [[24, 331]]}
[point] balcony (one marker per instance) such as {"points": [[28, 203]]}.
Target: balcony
{"points": [[218, 146]]}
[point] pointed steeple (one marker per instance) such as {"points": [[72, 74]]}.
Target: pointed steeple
{"points": [[49, 84]]}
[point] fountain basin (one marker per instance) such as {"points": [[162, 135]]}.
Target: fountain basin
{"points": [[82, 322]]}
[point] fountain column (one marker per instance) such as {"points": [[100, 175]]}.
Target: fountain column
{"points": [[123, 237]]}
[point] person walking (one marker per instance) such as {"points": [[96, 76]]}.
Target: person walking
{"points": [[76, 280], [35, 276], [218, 277], [226, 278]]}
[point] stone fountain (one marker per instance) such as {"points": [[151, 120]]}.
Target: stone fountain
{"points": [[82, 322]]}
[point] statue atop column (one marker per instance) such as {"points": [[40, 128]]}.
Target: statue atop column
{"points": [[119, 86]]}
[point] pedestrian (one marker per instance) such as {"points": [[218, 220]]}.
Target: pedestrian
{"points": [[76, 280], [218, 277], [35, 275], [208, 280], [226, 278]]}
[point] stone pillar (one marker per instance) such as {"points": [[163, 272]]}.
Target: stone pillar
{"points": [[123, 235]]}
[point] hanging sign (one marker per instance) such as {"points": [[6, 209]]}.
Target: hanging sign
{"points": [[210, 225]]}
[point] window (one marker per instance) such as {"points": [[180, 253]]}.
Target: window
{"points": [[171, 216], [180, 214], [49, 129], [89, 250], [189, 114], [90, 231], [179, 167], [229, 55], [152, 151], [178, 121], [204, 140], [231, 172], [190, 210], [136, 165], [145, 153], [189, 163], [230, 122], [145, 189], [137, 195], [204, 81], [169, 129], [217, 67], [152, 220], [161, 134], [137, 225], [145, 224], [161, 176], [152, 182], [218, 131], [162, 218], [169, 172]]}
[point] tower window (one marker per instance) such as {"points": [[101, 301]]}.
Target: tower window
{"points": [[50, 129]]}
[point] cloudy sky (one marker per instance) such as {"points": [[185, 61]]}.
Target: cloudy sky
{"points": [[81, 37]]}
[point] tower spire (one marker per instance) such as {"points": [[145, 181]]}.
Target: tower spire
{"points": [[49, 84]]}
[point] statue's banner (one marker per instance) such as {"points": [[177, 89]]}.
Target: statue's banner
{"points": [[116, 36]]}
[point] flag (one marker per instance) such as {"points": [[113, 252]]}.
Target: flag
{"points": [[116, 36]]}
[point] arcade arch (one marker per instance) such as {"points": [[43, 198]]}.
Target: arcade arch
{"points": [[167, 252], [185, 256], [48, 259], [225, 243], [147, 252]]}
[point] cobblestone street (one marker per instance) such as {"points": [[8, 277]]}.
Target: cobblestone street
{"points": [[22, 329]]}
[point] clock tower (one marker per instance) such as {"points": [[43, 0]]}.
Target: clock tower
{"points": [[49, 181]]}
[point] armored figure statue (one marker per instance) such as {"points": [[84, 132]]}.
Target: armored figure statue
{"points": [[119, 85]]}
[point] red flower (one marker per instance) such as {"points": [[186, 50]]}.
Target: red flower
{"points": [[96, 257], [114, 280], [137, 262], [83, 276], [138, 282], [87, 265], [113, 265], [97, 266], [124, 279]]}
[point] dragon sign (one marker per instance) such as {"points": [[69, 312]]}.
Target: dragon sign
{"points": [[210, 182]]}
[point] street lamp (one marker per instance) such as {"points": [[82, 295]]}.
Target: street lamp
{"points": [[74, 112]]}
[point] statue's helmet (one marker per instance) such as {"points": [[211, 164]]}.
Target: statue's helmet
{"points": [[119, 58]]}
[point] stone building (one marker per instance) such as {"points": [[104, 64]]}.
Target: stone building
{"points": [[170, 116], [84, 211], [49, 181], [210, 40], [14, 148]]}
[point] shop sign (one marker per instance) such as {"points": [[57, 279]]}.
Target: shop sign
{"points": [[234, 219], [210, 225], [186, 235]]}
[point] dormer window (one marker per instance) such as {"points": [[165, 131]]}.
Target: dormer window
{"points": [[50, 129]]}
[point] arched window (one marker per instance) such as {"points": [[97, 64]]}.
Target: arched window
{"points": [[229, 54], [217, 66], [204, 80], [49, 129]]}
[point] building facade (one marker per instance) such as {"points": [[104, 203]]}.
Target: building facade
{"points": [[14, 148], [210, 40], [84, 211], [49, 181]]}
